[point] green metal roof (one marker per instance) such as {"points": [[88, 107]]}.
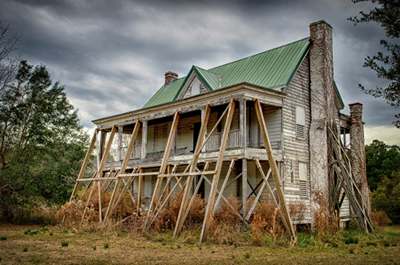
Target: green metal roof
{"points": [[272, 69]]}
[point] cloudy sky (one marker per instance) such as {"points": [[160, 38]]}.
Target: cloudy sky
{"points": [[111, 55]]}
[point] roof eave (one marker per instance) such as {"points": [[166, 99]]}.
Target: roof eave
{"points": [[243, 84]]}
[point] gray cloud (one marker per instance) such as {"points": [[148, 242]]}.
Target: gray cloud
{"points": [[114, 53]]}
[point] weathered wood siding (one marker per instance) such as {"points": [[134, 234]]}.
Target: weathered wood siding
{"points": [[273, 119], [295, 140]]}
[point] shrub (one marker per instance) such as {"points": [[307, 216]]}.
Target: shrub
{"points": [[380, 218], [167, 217], [266, 219], [64, 243], [196, 213]]}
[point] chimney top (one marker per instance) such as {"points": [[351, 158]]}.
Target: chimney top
{"points": [[355, 103], [169, 77], [319, 22]]}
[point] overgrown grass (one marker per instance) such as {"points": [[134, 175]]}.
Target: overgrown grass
{"points": [[119, 247]]}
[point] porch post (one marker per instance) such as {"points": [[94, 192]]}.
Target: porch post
{"points": [[120, 131], [243, 146], [143, 150]]}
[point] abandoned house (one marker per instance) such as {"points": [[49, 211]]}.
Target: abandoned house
{"points": [[258, 128]]}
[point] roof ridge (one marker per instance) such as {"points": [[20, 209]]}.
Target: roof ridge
{"points": [[259, 53]]}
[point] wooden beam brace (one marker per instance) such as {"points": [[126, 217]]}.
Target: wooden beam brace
{"points": [[274, 169], [211, 199], [85, 162], [188, 185], [163, 166], [221, 191], [100, 172]]}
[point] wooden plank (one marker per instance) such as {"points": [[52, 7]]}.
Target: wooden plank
{"points": [[85, 162], [124, 165], [196, 190], [101, 168], [140, 191], [163, 166], [189, 181], [218, 168], [245, 191], [221, 191], [274, 169]]}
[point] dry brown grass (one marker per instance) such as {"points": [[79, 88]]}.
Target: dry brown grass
{"points": [[70, 214], [380, 218], [225, 226], [167, 217], [45, 247], [266, 220]]}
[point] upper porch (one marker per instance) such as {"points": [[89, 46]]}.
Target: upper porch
{"points": [[244, 138]]}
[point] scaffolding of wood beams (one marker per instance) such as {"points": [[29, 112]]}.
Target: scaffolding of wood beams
{"points": [[342, 183], [209, 173]]}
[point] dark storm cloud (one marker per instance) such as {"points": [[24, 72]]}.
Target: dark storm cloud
{"points": [[114, 53]]}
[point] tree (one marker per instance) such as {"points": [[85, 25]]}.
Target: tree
{"points": [[7, 64], [385, 64], [382, 160], [41, 140], [383, 171], [387, 197]]}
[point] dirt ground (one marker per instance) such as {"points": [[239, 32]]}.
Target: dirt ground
{"points": [[53, 245]]}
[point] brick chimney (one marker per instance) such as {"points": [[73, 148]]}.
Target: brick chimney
{"points": [[357, 151], [169, 77], [322, 102]]}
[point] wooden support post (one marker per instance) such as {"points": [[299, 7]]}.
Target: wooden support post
{"points": [[163, 166], [124, 165], [140, 191], [243, 144], [274, 169], [100, 172], [245, 192], [143, 150], [85, 162], [120, 143], [221, 192], [193, 163], [213, 191], [196, 190]]}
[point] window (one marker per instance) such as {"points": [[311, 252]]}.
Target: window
{"points": [[303, 171], [300, 122]]}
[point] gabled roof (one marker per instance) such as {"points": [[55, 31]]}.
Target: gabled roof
{"points": [[271, 69]]}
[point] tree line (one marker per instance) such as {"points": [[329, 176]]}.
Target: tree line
{"points": [[41, 139]]}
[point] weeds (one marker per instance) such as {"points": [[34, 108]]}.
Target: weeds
{"points": [[326, 223], [380, 218], [266, 219]]}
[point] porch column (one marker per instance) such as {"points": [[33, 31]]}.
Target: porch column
{"points": [[243, 145], [100, 147], [120, 144], [143, 150]]}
